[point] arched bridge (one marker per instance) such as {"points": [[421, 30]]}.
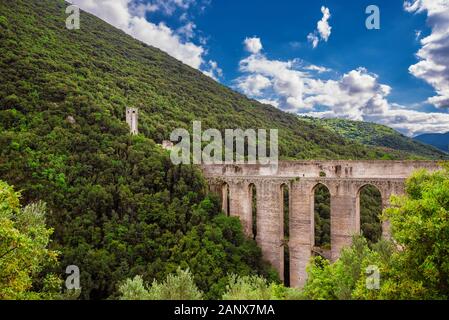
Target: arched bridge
{"points": [[344, 179]]}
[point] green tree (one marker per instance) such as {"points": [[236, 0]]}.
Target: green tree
{"points": [[413, 266], [179, 286], [133, 289], [252, 288], [337, 281], [420, 227], [24, 238]]}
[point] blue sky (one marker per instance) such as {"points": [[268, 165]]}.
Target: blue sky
{"points": [[284, 27], [261, 48]]}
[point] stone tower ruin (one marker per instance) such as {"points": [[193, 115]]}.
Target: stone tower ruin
{"points": [[132, 118]]}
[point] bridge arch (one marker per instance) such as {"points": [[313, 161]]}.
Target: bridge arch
{"points": [[252, 209], [225, 198], [285, 203], [369, 206], [321, 217]]}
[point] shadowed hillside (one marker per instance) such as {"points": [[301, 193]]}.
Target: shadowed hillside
{"points": [[440, 141]]}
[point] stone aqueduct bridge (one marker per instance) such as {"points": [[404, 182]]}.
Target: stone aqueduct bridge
{"points": [[344, 179]]}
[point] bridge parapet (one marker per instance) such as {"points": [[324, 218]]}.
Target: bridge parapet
{"points": [[330, 169]]}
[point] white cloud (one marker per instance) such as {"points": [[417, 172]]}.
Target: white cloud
{"points": [[141, 9], [409, 122], [168, 7], [253, 45], [188, 30], [129, 16], [273, 103], [353, 96], [356, 95], [323, 30], [284, 81], [213, 70], [318, 69], [253, 84], [412, 122], [323, 25], [313, 38], [418, 34], [162, 37], [433, 66]]}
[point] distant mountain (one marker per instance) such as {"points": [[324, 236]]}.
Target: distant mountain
{"points": [[438, 140], [376, 135]]}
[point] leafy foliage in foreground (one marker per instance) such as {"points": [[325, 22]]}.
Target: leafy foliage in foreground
{"points": [[251, 288], [179, 286], [415, 266], [24, 252]]}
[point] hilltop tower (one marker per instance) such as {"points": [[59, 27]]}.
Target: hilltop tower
{"points": [[132, 118]]}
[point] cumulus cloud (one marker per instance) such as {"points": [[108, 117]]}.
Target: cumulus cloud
{"points": [[323, 30], [253, 84], [323, 25], [433, 65], [162, 37], [296, 86], [129, 16], [253, 45], [412, 122], [353, 96], [285, 83]]}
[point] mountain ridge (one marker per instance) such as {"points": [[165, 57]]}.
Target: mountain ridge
{"points": [[438, 140], [373, 134]]}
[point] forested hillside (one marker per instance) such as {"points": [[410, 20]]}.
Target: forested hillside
{"points": [[117, 205], [97, 71], [372, 134]]}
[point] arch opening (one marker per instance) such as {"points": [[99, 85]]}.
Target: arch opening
{"points": [[253, 209], [322, 220], [225, 198], [369, 209], [285, 201]]}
